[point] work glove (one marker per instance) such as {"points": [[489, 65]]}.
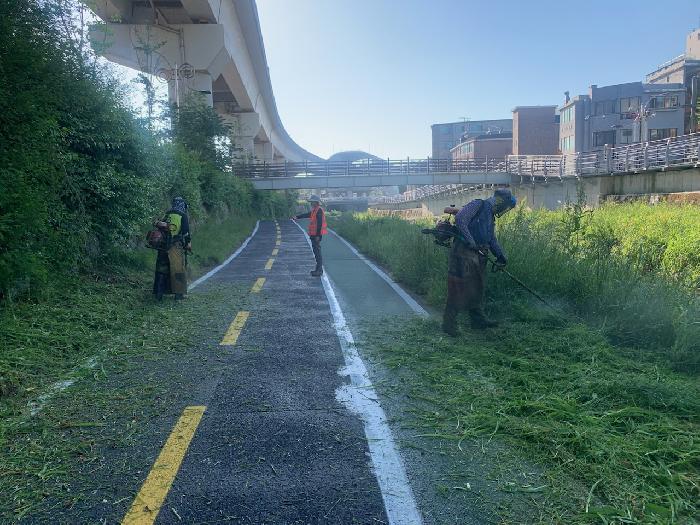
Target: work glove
{"points": [[501, 261]]}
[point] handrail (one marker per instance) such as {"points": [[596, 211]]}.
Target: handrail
{"points": [[675, 152]]}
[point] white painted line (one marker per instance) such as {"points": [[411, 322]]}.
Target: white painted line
{"points": [[360, 397], [59, 386], [410, 301], [231, 258]]}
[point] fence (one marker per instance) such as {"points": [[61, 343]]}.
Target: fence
{"points": [[370, 167], [683, 151]]}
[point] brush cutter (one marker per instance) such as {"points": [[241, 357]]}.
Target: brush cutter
{"points": [[444, 233], [496, 267]]}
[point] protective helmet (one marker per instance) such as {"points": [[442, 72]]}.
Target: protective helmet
{"points": [[508, 199], [314, 198], [179, 204]]}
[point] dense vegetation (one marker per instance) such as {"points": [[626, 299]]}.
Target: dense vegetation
{"points": [[630, 269], [602, 398], [81, 179], [81, 176]]}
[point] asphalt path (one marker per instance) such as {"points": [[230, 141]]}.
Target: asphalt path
{"points": [[272, 442]]}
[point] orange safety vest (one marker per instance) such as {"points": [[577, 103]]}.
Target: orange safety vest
{"points": [[313, 223]]}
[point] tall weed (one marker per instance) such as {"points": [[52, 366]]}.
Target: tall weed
{"points": [[630, 269]]}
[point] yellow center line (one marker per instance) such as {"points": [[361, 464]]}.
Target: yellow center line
{"points": [[258, 285], [268, 266], [275, 251], [154, 490], [235, 329]]}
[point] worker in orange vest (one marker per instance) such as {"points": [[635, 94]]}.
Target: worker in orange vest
{"points": [[317, 229]]}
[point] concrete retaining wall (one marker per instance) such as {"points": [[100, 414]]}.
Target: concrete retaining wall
{"points": [[652, 186]]}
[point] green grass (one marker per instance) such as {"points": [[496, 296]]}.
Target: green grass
{"points": [[108, 318], [103, 432], [597, 403], [618, 439], [82, 316], [580, 262]]}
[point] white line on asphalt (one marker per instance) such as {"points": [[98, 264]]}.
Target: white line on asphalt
{"points": [[410, 301], [359, 397], [36, 405], [231, 258]]}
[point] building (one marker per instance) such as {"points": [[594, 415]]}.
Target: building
{"points": [[491, 145], [685, 70], [447, 136], [621, 114], [535, 130]]}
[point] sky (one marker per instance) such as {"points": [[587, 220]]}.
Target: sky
{"points": [[375, 74]]}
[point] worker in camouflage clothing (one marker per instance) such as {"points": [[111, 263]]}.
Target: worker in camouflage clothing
{"points": [[466, 274]]}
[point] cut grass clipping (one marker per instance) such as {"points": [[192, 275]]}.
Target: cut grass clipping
{"points": [[590, 261], [618, 439]]}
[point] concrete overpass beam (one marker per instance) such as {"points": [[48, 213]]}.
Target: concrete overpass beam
{"points": [[263, 151], [245, 127], [157, 50]]}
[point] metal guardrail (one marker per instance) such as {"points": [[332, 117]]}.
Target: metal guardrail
{"points": [[676, 152], [370, 167], [673, 152]]}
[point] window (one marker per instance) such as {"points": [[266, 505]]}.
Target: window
{"points": [[567, 143], [629, 107], [602, 138], [604, 107], [567, 115], [662, 133], [626, 136], [664, 102]]}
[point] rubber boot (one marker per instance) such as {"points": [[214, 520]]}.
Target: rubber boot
{"points": [[480, 321], [449, 322], [318, 272], [179, 296], [159, 286]]}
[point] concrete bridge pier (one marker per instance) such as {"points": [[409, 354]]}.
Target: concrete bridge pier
{"points": [[206, 47]]}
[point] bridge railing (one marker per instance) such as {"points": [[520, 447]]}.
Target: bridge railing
{"points": [[683, 151], [369, 167], [631, 158]]}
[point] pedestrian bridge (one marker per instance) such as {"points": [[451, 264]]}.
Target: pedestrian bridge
{"points": [[374, 173], [676, 153]]}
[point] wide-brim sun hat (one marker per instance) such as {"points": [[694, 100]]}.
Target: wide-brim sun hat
{"points": [[314, 198]]}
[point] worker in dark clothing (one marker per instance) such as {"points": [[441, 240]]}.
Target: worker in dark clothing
{"points": [[466, 274], [171, 263], [317, 229]]}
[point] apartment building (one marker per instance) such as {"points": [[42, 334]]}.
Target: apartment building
{"points": [[492, 146], [446, 136], [685, 70], [535, 130], [621, 114]]}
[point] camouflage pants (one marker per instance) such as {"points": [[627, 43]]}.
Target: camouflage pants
{"points": [[466, 281], [171, 271]]}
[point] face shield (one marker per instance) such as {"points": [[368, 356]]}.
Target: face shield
{"points": [[504, 205]]}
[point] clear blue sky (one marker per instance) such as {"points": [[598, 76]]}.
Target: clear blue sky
{"points": [[374, 74]]}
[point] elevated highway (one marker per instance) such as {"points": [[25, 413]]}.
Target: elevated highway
{"points": [[212, 47]]}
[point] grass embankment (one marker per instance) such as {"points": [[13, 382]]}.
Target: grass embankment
{"points": [[630, 270], [597, 405], [109, 319], [83, 316]]}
